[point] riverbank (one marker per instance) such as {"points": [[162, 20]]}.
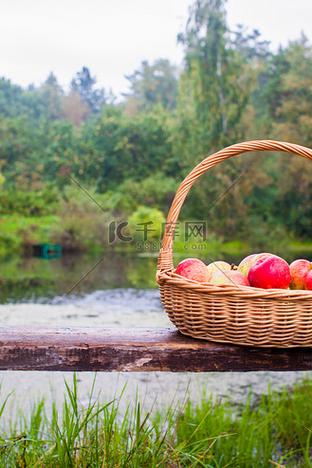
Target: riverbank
{"points": [[122, 308], [273, 429], [19, 233], [126, 307]]}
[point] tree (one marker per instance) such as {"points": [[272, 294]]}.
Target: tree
{"points": [[154, 84], [122, 147], [11, 98], [52, 93], [59, 156], [16, 101], [74, 109], [214, 94], [83, 84], [216, 83], [250, 44], [20, 150], [290, 102]]}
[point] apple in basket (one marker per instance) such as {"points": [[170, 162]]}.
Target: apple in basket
{"points": [[231, 277], [308, 281], [298, 271], [218, 266], [249, 261], [194, 269], [270, 271]]}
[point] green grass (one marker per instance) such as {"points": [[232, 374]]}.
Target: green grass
{"points": [[301, 246], [274, 430], [18, 232]]}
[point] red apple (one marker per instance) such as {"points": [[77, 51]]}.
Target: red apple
{"points": [[249, 261], [231, 277], [299, 270], [194, 269], [270, 271], [308, 281]]}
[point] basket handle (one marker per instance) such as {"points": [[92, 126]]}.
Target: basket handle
{"points": [[165, 260]]}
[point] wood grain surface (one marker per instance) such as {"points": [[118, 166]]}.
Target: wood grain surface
{"points": [[136, 350]]}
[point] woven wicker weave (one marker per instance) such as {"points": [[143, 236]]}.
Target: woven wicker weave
{"points": [[232, 314]]}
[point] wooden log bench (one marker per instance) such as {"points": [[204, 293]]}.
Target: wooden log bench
{"points": [[136, 350]]}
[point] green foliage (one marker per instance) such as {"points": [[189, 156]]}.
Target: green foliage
{"points": [[156, 190], [154, 84], [231, 87], [273, 428], [84, 222], [19, 233], [211, 86], [28, 203], [129, 147], [15, 102], [146, 223], [83, 84]]}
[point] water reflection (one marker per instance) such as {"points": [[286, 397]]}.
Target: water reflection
{"points": [[33, 278], [30, 279]]}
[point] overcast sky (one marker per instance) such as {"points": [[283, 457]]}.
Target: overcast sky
{"points": [[112, 37]]}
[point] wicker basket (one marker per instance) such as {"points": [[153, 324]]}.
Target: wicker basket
{"points": [[232, 314]]}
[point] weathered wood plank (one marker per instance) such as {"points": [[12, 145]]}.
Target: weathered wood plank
{"points": [[135, 350]]}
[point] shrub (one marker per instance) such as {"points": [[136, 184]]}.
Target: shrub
{"points": [[146, 220], [29, 203], [84, 220]]}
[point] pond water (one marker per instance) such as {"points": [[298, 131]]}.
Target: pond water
{"points": [[115, 289], [35, 279], [72, 276]]}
